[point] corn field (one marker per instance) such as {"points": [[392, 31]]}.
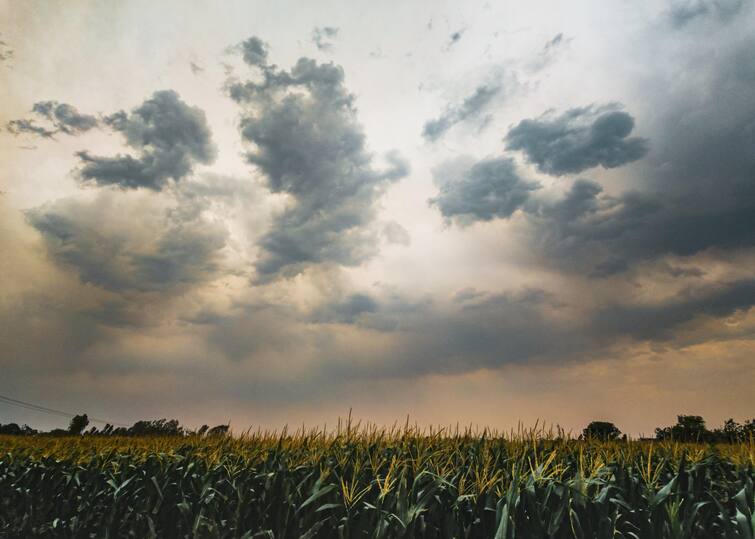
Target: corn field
{"points": [[374, 483]]}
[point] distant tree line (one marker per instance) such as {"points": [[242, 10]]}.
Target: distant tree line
{"points": [[688, 428], [152, 427]]}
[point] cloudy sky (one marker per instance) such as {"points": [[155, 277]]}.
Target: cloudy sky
{"points": [[483, 212]]}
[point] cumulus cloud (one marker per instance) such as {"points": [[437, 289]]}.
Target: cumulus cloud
{"points": [[471, 107], [308, 144], [254, 51], [578, 139], [169, 136], [480, 191], [58, 118], [324, 36]]}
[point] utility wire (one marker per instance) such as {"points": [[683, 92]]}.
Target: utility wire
{"points": [[52, 411]]}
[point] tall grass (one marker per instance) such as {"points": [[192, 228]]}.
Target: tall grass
{"points": [[364, 481]]}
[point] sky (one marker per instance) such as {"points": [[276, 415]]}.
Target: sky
{"points": [[485, 213]]}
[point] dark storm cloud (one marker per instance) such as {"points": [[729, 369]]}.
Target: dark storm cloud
{"points": [[479, 330], [481, 191], [170, 137], [323, 37], [657, 322], [609, 266], [59, 118], [308, 144], [471, 107], [126, 245], [483, 330], [601, 235], [578, 139], [693, 194], [686, 12]]}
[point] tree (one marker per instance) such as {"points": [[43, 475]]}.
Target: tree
{"points": [[156, 427], [11, 428], [731, 431], [78, 424], [688, 428], [601, 430], [219, 430]]}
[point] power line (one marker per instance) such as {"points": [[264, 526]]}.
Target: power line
{"points": [[51, 411]]}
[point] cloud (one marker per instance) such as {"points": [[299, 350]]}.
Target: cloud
{"points": [[254, 51], [455, 37], [196, 69], [394, 233], [578, 139], [59, 118], [6, 53], [588, 231], [346, 311], [169, 136], [481, 191], [127, 243], [686, 12], [555, 42], [471, 107], [550, 51], [482, 330], [308, 144], [657, 322], [324, 36], [694, 194], [17, 127]]}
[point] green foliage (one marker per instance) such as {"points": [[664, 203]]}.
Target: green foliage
{"points": [[691, 428], [78, 424], [374, 484], [601, 430]]}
